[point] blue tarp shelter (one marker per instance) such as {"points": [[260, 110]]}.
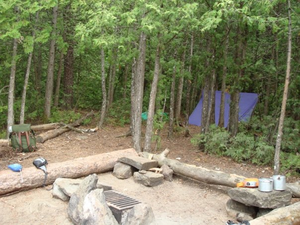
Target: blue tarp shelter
{"points": [[246, 104]]}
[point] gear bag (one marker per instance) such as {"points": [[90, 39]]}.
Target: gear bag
{"points": [[22, 138]]}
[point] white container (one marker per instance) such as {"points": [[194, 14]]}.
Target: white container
{"points": [[265, 184], [279, 182]]}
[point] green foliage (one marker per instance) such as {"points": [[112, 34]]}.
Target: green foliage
{"points": [[253, 143], [213, 142], [290, 163], [119, 113], [64, 116]]}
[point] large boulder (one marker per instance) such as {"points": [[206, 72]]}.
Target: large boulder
{"points": [[148, 179], [139, 163], [122, 171], [96, 211], [75, 208], [139, 214], [254, 197], [63, 188]]}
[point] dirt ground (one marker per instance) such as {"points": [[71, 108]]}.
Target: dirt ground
{"points": [[179, 202]]}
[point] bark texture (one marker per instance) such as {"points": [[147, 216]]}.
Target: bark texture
{"points": [[50, 73], [197, 173], [33, 178]]}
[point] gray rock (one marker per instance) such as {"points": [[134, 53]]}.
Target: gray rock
{"points": [[234, 208], [148, 179], [167, 172], [140, 163], [139, 214], [63, 188], [122, 171], [75, 207], [254, 197], [96, 211]]}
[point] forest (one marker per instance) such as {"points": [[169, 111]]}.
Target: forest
{"points": [[125, 58]]}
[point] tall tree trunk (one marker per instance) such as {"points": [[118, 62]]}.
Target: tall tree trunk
{"points": [[69, 77], [112, 77], [235, 96], [285, 95], [189, 82], [38, 65], [138, 94], [58, 80], [22, 110], [104, 103], [151, 108], [11, 93], [125, 82], [206, 93], [180, 87], [172, 104], [23, 101], [223, 87], [50, 74], [69, 57], [211, 105]]}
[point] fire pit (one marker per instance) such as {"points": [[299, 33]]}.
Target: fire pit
{"points": [[118, 203]]}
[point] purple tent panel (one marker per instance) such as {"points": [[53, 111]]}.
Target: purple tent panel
{"points": [[246, 105]]}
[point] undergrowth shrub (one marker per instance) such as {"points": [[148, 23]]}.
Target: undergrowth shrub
{"points": [[254, 143], [214, 142]]}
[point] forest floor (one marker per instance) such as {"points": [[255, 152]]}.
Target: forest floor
{"points": [[181, 201]]}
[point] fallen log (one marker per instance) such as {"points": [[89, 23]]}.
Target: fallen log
{"points": [[194, 172], [284, 216], [41, 138], [32, 178], [294, 188], [206, 175], [82, 131], [42, 127]]}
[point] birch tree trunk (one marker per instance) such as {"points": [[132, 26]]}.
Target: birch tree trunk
{"points": [[103, 108], [285, 95], [151, 108], [11, 92], [138, 94], [50, 73], [22, 110]]}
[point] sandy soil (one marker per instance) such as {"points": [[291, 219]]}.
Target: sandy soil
{"points": [[179, 202]]}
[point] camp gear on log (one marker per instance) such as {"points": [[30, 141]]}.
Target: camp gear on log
{"points": [[265, 184], [16, 168], [22, 137], [279, 182], [40, 163], [248, 183]]}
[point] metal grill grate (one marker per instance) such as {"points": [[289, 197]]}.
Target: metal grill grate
{"points": [[119, 201]]}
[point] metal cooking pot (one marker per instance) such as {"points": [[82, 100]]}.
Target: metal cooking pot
{"points": [[265, 184], [279, 182]]}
